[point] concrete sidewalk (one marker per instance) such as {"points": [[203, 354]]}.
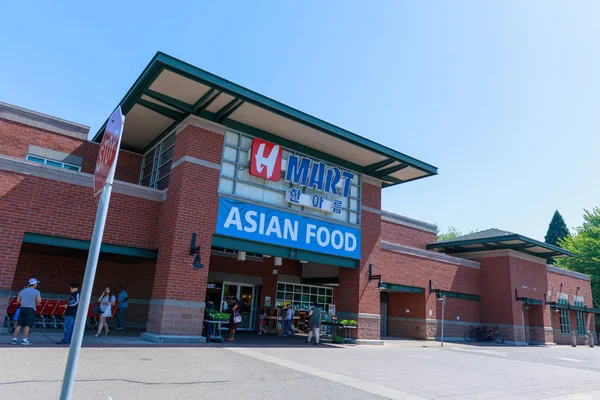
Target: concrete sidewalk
{"points": [[41, 337], [131, 338]]}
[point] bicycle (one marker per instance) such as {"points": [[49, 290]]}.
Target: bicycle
{"points": [[492, 335], [473, 334]]}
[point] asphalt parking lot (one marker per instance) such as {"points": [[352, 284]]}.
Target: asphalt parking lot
{"points": [[398, 370]]}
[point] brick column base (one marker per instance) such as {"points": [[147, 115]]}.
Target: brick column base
{"points": [[175, 321], [368, 325]]}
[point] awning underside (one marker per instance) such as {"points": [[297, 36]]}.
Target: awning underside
{"points": [[505, 242], [169, 90]]}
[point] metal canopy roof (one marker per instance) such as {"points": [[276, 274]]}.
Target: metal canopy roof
{"points": [[170, 90], [496, 239]]}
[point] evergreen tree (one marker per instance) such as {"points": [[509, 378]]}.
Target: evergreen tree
{"points": [[557, 231]]}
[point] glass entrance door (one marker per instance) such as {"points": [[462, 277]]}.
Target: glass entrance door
{"points": [[245, 295]]}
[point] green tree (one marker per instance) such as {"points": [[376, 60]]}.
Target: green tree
{"points": [[452, 233], [585, 245], [557, 230]]}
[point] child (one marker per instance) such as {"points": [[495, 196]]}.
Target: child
{"points": [[16, 319], [287, 323], [262, 328]]}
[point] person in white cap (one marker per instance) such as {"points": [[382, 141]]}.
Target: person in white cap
{"points": [[29, 298]]}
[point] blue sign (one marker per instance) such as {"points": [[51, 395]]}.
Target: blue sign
{"points": [[316, 175], [266, 225]]}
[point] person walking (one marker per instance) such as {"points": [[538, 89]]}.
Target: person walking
{"points": [[16, 317], [210, 306], [29, 298], [314, 318], [235, 319], [106, 300], [122, 307], [287, 323], [70, 314], [262, 328]]}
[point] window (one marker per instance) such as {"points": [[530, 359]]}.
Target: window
{"points": [[301, 296], [236, 180], [156, 166], [565, 320], [580, 317], [53, 163]]}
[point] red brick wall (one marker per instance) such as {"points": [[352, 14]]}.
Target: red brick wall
{"points": [[15, 139], [56, 273], [530, 280], [497, 293], [417, 271], [37, 205], [401, 234], [570, 288], [61, 209], [356, 293], [191, 207], [199, 143], [398, 303], [466, 310], [13, 217], [371, 195]]}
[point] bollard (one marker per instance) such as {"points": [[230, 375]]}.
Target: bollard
{"points": [[590, 339], [573, 338]]}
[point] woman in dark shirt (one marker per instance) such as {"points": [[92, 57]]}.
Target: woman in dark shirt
{"points": [[232, 324]]}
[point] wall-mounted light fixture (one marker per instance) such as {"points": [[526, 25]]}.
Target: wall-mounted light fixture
{"points": [[278, 261], [380, 284], [303, 262], [569, 298], [241, 256], [195, 250], [560, 291]]}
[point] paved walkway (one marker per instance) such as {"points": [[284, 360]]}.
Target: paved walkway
{"points": [[131, 338]]}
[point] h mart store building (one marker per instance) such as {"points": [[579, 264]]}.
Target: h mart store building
{"points": [[284, 208]]}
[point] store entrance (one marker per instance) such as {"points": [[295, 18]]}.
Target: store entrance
{"points": [[245, 295]]}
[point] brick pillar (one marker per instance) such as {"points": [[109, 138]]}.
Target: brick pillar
{"points": [[359, 297], [177, 305], [15, 198]]}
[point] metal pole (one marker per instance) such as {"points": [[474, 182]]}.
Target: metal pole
{"points": [[86, 293], [443, 308]]}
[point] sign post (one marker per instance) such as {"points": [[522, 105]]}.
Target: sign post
{"points": [[103, 179]]}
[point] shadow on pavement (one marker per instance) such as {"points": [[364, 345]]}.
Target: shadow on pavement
{"points": [[131, 338]]}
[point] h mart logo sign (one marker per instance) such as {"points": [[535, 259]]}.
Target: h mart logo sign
{"points": [[266, 162]]}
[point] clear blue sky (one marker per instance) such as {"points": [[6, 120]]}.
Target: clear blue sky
{"points": [[502, 96]]}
